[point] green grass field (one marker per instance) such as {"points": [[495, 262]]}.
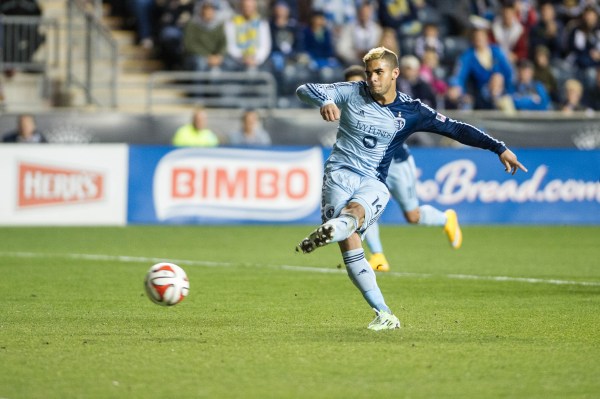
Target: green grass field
{"points": [[264, 322]]}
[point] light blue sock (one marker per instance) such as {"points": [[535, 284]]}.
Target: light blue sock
{"points": [[431, 216], [344, 225], [373, 240], [363, 277]]}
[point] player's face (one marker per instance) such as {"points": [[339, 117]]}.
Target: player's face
{"points": [[381, 78]]}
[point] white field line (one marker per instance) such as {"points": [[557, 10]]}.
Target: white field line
{"points": [[151, 260]]}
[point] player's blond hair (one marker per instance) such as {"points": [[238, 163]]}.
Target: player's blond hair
{"points": [[383, 53]]}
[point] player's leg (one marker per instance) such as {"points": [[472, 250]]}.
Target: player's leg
{"points": [[377, 260], [402, 181]]}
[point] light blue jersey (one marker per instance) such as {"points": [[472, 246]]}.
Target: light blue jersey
{"points": [[369, 134]]}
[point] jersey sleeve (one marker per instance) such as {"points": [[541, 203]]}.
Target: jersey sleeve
{"points": [[322, 94], [432, 121]]}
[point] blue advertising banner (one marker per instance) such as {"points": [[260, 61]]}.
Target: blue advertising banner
{"points": [[282, 185]]}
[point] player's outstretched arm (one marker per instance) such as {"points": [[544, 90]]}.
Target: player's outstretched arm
{"points": [[330, 112], [510, 162]]}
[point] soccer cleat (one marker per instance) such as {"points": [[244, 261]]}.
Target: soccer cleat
{"points": [[379, 263], [318, 238], [452, 229], [384, 321]]}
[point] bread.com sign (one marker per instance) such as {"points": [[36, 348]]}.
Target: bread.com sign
{"points": [[237, 184]]}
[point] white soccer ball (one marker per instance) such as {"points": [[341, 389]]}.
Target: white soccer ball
{"points": [[166, 284]]}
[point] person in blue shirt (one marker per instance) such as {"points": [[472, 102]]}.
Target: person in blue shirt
{"points": [[529, 94], [477, 65], [374, 121]]}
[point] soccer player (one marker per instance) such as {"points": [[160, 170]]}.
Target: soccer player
{"points": [[402, 183], [374, 121]]}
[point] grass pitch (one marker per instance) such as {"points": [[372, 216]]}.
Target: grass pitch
{"points": [[513, 314]]}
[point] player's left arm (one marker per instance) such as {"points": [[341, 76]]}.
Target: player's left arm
{"points": [[432, 121]]}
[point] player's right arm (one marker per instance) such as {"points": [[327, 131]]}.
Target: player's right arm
{"points": [[328, 97]]}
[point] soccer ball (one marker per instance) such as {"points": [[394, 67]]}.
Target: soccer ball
{"points": [[166, 284]]}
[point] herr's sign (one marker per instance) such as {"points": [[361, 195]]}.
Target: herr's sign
{"points": [[63, 184], [41, 185], [227, 184]]}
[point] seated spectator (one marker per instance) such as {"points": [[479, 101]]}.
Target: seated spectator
{"points": [[399, 15], [338, 13], [432, 73], [573, 92], [529, 94], [248, 38], [26, 131], [592, 99], [196, 133], [317, 42], [251, 132], [508, 32], [284, 36], [389, 40], [355, 73], [173, 15], [357, 38], [410, 83], [526, 13], [495, 97], [584, 40], [204, 39], [476, 65], [429, 40], [542, 71], [548, 31]]}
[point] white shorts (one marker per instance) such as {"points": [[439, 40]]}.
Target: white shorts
{"points": [[402, 182], [343, 186]]}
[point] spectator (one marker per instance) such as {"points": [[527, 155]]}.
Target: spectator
{"points": [[429, 40], [399, 15], [251, 132], [248, 38], [284, 36], [573, 92], [529, 94], [495, 97], [26, 131], [476, 65], [584, 40], [338, 13], [526, 14], [431, 72], [317, 42], [355, 73], [593, 93], [410, 83], [548, 31], [542, 71], [204, 39], [358, 37], [173, 15], [196, 133], [143, 11], [389, 40], [508, 32]]}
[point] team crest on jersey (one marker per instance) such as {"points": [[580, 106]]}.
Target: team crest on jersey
{"points": [[399, 121], [369, 141]]}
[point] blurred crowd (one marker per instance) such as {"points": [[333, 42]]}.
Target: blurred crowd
{"points": [[462, 54]]}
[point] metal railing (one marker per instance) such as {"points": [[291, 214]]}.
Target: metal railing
{"points": [[253, 89], [92, 56], [28, 43]]}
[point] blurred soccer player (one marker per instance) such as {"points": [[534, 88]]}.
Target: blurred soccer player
{"points": [[374, 121], [402, 183]]}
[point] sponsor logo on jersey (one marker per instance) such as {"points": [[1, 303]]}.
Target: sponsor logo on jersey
{"points": [[40, 185]]}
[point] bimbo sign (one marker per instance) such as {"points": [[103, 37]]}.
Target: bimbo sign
{"points": [[237, 184]]}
